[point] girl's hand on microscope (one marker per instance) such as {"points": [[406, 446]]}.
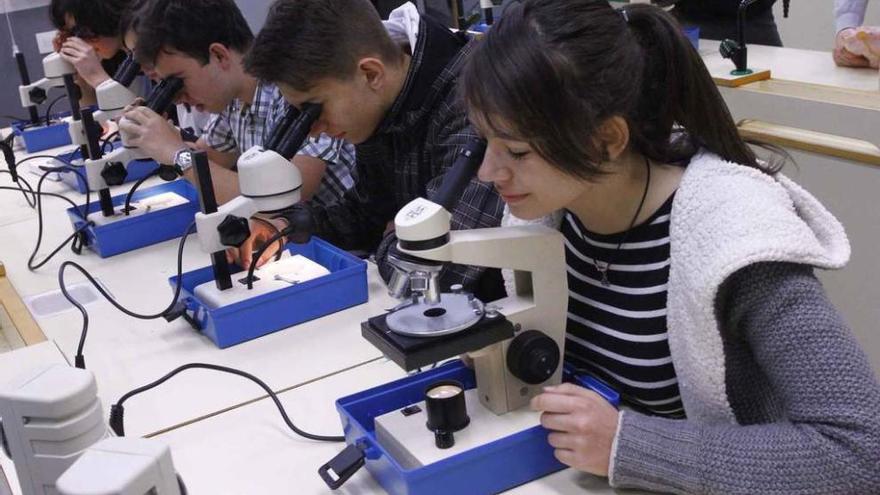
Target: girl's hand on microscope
{"points": [[85, 59], [582, 425], [261, 231]]}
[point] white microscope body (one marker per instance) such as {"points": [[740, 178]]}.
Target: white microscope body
{"points": [[54, 70], [540, 301], [53, 429], [118, 160], [268, 183], [50, 416], [122, 466]]}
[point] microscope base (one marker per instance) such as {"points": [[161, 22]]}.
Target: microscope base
{"points": [[276, 275], [123, 234], [235, 322], [42, 137], [482, 462]]}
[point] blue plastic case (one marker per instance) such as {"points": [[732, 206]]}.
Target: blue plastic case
{"points": [[136, 170], [43, 137], [142, 230], [492, 468], [345, 286]]}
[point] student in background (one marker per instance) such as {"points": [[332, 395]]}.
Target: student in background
{"points": [[717, 20], [690, 262], [849, 17], [89, 38], [396, 100], [203, 42]]}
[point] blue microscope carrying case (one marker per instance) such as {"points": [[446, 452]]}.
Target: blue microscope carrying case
{"points": [[491, 468], [42, 137], [345, 286], [142, 230], [136, 170]]}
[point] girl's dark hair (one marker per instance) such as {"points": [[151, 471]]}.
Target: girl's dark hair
{"points": [[551, 72], [98, 17]]}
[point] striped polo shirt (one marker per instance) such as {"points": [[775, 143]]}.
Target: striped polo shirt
{"points": [[617, 331]]}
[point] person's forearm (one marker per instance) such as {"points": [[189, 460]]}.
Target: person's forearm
{"points": [[849, 13]]}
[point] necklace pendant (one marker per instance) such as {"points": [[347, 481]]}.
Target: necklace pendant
{"points": [[605, 281]]}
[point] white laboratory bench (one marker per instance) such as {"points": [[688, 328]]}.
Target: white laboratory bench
{"points": [[250, 450], [124, 352]]}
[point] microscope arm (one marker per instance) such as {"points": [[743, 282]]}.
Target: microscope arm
{"points": [[54, 69], [97, 171], [228, 226]]}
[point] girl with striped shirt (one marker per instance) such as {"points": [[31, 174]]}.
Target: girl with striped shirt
{"points": [[690, 262]]}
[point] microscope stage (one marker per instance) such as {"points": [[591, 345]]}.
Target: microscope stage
{"points": [[414, 352], [411, 444], [454, 313], [140, 207], [281, 274]]}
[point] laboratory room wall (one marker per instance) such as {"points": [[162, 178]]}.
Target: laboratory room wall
{"points": [[26, 17], [810, 23]]}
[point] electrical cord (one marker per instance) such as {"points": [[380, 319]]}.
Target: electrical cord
{"points": [[126, 210], [117, 411], [37, 202], [109, 140], [49, 108], [79, 359], [77, 247], [31, 200], [278, 236]]}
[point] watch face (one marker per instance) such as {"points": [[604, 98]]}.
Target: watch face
{"points": [[184, 159]]}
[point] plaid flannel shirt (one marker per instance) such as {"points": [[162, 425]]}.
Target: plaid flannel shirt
{"points": [[407, 157], [242, 126]]}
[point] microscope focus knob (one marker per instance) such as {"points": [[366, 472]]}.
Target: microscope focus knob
{"points": [[38, 95], [114, 173], [233, 231], [533, 357]]}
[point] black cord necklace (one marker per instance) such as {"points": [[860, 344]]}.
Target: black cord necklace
{"points": [[603, 270]]}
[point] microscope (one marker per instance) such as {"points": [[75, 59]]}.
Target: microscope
{"points": [[449, 429], [111, 169], [53, 429], [55, 71], [269, 184], [113, 96]]}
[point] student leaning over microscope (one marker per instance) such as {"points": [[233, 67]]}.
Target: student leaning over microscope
{"points": [[691, 263]]}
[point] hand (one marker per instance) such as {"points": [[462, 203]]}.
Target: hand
{"points": [[844, 57], [582, 424], [85, 60], [152, 133], [260, 233]]}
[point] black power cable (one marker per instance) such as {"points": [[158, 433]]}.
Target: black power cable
{"points": [[35, 201], [126, 210], [49, 109], [117, 411], [79, 359]]}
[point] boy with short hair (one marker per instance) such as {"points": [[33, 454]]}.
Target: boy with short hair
{"points": [[203, 42], [395, 99]]}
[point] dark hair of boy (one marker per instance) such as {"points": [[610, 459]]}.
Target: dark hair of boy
{"points": [[91, 17], [188, 27], [590, 62], [305, 41]]}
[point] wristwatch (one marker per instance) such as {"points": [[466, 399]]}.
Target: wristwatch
{"points": [[183, 158]]}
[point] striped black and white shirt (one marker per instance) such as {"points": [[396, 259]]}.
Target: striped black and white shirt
{"points": [[242, 126], [618, 332]]}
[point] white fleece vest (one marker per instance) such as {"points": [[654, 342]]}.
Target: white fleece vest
{"points": [[725, 217]]}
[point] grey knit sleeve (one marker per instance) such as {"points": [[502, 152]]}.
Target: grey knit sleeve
{"points": [[827, 440]]}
